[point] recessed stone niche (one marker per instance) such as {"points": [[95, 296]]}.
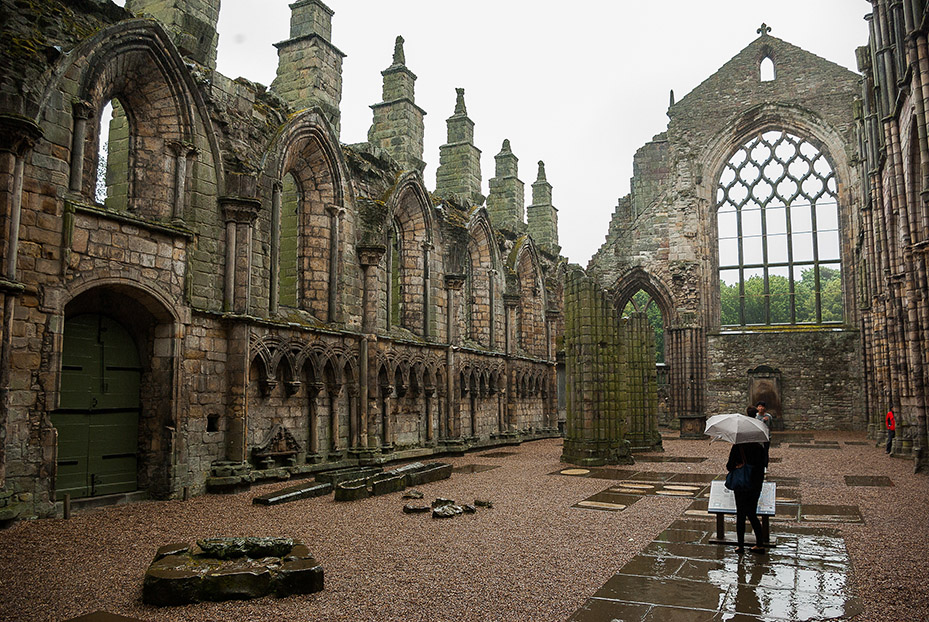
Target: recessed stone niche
{"points": [[230, 569]]}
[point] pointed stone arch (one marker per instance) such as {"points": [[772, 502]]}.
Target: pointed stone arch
{"points": [[409, 255], [309, 183], [136, 63], [530, 326], [481, 287]]}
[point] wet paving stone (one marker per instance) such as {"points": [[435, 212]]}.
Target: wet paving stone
{"points": [[474, 468], [793, 482], [868, 480], [658, 591], [606, 610], [607, 500], [691, 536], [806, 577], [693, 478], [830, 513], [662, 458]]}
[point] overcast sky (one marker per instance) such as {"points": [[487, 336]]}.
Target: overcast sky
{"points": [[580, 85]]}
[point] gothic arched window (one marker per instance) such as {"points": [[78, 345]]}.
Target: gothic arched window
{"points": [[778, 224], [641, 302]]}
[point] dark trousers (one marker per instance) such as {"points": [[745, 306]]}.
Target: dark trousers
{"points": [[890, 439], [746, 504]]}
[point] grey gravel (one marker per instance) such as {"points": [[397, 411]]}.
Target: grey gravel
{"points": [[532, 557]]}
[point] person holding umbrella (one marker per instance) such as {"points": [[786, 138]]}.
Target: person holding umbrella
{"points": [[746, 465]]}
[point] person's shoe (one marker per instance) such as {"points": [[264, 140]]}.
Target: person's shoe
{"points": [[760, 550], [740, 550]]}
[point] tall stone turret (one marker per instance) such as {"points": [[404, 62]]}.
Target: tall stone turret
{"points": [[507, 197], [542, 215], [398, 121], [459, 172], [192, 24], [309, 67]]}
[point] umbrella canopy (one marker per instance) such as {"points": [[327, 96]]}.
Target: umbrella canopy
{"points": [[737, 428]]}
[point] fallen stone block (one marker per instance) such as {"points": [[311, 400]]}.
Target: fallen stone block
{"points": [[230, 568], [347, 474], [351, 491], [431, 472]]}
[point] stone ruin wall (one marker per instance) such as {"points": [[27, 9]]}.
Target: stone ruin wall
{"points": [[662, 239], [187, 260]]}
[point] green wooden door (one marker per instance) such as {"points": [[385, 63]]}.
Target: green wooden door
{"points": [[98, 417]]}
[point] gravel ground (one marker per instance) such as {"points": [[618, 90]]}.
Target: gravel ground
{"points": [[531, 557]]}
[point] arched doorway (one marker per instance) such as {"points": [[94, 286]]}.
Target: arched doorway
{"points": [[98, 416]]}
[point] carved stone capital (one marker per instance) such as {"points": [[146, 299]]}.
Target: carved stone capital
{"points": [[240, 210], [370, 255], [18, 134], [454, 281]]}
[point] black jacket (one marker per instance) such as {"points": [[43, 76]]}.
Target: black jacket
{"points": [[755, 455]]}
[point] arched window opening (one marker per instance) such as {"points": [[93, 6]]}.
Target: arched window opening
{"points": [[395, 282], [289, 241], [767, 69], [468, 300], [112, 179], [778, 234], [641, 302]]}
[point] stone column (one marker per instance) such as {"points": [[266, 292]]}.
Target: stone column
{"points": [[370, 258], [510, 301], [183, 152], [333, 390], [17, 138], [387, 432], [453, 284], [240, 214], [429, 392], [274, 285], [313, 390], [81, 111], [427, 289], [491, 275], [335, 220]]}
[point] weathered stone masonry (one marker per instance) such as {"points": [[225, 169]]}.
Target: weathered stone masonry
{"points": [[282, 301]]}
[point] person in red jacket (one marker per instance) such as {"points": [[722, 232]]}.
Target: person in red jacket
{"points": [[891, 428]]}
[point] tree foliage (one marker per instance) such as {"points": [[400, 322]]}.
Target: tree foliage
{"points": [[777, 299]]}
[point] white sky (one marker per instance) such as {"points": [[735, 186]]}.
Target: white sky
{"points": [[580, 85]]}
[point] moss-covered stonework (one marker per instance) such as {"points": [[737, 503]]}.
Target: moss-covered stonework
{"points": [[296, 304]]}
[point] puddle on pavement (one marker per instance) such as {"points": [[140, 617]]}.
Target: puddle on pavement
{"points": [[806, 577]]}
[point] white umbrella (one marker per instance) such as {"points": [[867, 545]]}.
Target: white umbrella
{"points": [[737, 428]]}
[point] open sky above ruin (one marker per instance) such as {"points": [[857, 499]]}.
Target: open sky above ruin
{"points": [[578, 85]]}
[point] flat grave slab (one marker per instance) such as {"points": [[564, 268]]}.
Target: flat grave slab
{"points": [[102, 616], [497, 454], [607, 500], [475, 468], [868, 480], [830, 513], [660, 458], [812, 446]]}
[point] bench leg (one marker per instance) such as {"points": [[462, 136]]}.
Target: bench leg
{"points": [[721, 527], [765, 530]]}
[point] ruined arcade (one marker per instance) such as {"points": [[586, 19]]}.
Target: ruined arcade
{"points": [[226, 293]]}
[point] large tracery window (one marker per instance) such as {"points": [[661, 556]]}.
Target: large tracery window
{"points": [[778, 223]]}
